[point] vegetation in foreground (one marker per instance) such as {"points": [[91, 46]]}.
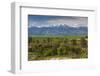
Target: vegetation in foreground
{"points": [[48, 48]]}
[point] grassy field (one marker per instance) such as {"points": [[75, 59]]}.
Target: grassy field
{"points": [[51, 36], [57, 47]]}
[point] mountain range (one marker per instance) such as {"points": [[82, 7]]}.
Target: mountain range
{"points": [[61, 30]]}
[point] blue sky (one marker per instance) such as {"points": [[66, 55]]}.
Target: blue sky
{"points": [[42, 20]]}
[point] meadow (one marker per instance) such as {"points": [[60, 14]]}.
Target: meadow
{"points": [[57, 47]]}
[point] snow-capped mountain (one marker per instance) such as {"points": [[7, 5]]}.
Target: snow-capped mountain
{"points": [[61, 29]]}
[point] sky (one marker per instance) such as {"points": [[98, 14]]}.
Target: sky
{"points": [[45, 21]]}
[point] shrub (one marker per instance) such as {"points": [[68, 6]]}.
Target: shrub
{"points": [[84, 53], [59, 51], [75, 51], [74, 42], [47, 52], [83, 42]]}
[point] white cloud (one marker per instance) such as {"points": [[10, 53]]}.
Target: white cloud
{"points": [[71, 22]]}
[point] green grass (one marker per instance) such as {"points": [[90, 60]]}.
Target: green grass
{"points": [[47, 36]]}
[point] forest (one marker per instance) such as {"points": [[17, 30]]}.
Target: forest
{"points": [[57, 48]]}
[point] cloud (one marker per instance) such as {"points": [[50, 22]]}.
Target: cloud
{"points": [[56, 20], [71, 22]]}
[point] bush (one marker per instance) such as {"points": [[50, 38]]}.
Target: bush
{"points": [[47, 52], [75, 51], [59, 51], [84, 53], [74, 42], [83, 42]]}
